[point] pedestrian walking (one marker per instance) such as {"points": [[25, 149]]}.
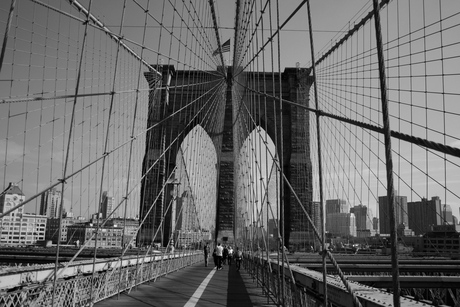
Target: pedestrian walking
{"points": [[230, 255], [206, 254], [214, 256], [219, 253], [238, 258], [225, 255]]}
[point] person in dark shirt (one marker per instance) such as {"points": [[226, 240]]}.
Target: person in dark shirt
{"points": [[206, 254], [225, 255], [238, 257]]}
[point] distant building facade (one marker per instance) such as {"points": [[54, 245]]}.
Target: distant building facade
{"points": [[336, 206], [341, 224], [130, 225], [107, 205], [107, 236], [447, 214], [17, 227], [315, 214], [52, 230], [116, 232], [443, 240], [400, 210], [50, 202], [425, 214], [363, 216], [376, 225]]}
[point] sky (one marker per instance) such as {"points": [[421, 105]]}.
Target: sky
{"points": [[330, 20]]}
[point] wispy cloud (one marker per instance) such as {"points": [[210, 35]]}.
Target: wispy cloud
{"points": [[11, 150], [455, 144]]}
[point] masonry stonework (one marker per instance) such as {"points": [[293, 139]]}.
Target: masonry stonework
{"points": [[295, 84]]}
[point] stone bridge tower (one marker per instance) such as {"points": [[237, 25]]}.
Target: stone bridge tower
{"points": [[170, 118]]}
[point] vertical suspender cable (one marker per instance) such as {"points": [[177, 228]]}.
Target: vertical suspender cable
{"points": [[99, 204], [321, 201], [132, 140], [282, 195], [64, 173], [388, 157], [280, 202]]}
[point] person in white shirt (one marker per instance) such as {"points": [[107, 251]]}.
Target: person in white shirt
{"points": [[230, 255], [219, 253]]}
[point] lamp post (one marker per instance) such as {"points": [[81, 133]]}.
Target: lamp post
{"points": [[174, 193]]}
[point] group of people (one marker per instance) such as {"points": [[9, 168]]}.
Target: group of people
{"points": [[222, 255]]}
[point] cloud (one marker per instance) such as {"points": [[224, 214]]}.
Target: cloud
{"points": [[11, 149], [455, 144]]}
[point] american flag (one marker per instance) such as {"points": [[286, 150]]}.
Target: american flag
{"points": [[224, 48]]}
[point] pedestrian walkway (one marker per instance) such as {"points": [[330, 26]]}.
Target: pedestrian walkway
{"points": [[196, 285]]}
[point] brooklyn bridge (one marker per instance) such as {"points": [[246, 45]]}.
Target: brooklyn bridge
{"points": [[320, 139]]}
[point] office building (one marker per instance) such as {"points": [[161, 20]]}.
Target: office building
{"points": [[50, 202], [401, 216], [52, 230], [336, 206], [17, 227], [425, 214], [107, 205], [341, 224], [363, 216]]}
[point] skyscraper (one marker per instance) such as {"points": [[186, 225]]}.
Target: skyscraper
{"points": [[375, 225], [50, 202], [448, 218], [424, 214], [336, 206], [341, 224], [107, 205], [384, 212], [363, 217]]}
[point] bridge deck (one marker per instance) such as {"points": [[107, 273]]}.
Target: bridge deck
{"points": [[196, 285]]}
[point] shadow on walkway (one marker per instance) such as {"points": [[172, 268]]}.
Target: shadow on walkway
{"points": [[227, 287]]}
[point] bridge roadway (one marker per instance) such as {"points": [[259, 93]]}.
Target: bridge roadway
{"points": [[195, 285]]}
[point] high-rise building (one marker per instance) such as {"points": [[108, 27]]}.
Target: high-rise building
{"points": [[425, 214], [364, 216], [447, 214], [341, 224], [17, 227], [400, 205], [50, 202], [375, 225], [336, 206], [107, 205], [315, 214]]}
